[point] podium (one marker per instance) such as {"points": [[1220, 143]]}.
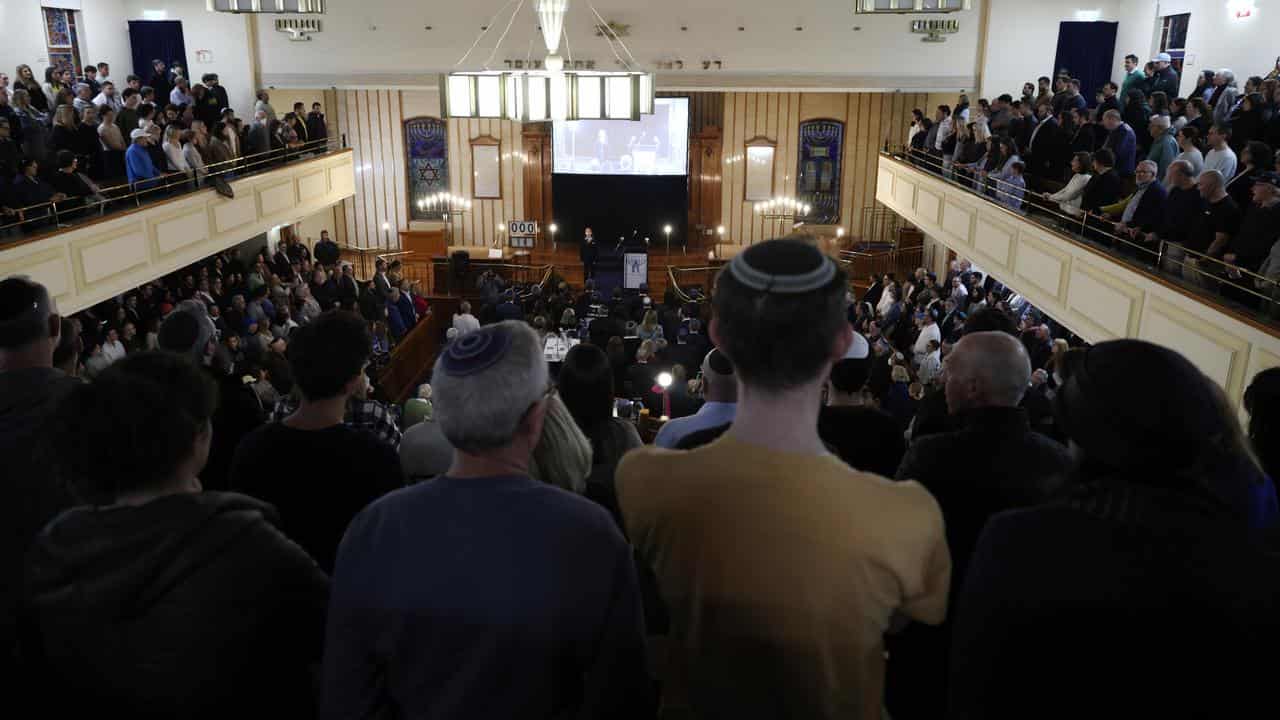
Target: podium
{"points": [[635, 269]]}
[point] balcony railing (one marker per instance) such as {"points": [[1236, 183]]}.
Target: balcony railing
{"points": [[1212, 278], [54, 216]]}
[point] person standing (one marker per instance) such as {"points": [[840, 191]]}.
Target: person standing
{"points": [[719, 390], [317, 471], [1156, 535], [1166, 78], [157, 598], [1008, 465], [740, 530], [30, 389], [589, 253], [531, 607], [159, 81], [1134, 78]]}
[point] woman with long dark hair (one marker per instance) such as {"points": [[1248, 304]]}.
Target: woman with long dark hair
{"points": [[1161, 530]]}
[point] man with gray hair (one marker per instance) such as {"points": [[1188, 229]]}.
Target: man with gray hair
{"points": [[1141, 212], [1007, 465], [1164, 148], [484, 593], [1224, 96]]}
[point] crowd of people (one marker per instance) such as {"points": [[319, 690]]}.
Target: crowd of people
{"points": [[1188, 184], [70, 139], [924, 499]]}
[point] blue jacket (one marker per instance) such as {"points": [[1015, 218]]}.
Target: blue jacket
{"points": [[1124, 144], [137, 162], [395, 320], [1149, 214]]}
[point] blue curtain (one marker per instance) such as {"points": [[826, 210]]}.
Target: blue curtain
{"points": [[1085, 50], [157, 40]]}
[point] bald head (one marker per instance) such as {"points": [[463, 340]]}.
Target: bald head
{"points": [[986, 369]]}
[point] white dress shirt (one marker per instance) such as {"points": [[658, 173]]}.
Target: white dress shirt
{"points": [[465, 323], [927, 333]]}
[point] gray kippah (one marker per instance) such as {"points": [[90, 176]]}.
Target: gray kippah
{"points": [[784, 267]]}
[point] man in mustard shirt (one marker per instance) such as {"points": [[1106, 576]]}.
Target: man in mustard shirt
{"points": [[782, 567]]}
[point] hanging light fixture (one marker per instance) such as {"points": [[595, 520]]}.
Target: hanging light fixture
{"points": [[549, 93]]}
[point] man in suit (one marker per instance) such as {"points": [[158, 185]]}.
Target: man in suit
{"points": [[381, 284], [1048, 147], [1104, 187], [589, 252], [257, 137], [160, 80], [1143, 211], [316, 127], [304, 132], [348, 289]]}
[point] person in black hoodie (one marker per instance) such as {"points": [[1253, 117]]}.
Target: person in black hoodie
{"points": [[157, 600]]}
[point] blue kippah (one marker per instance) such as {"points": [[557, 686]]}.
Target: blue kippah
{"points": [[476, 351]]}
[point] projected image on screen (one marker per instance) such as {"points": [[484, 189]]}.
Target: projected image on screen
{"points": [[657, 144]]}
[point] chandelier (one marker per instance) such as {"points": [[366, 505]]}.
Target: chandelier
{"points": [[551, 92], [296, 7]]}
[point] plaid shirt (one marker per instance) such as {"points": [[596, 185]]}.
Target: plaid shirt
{"points": [[362, 414]]}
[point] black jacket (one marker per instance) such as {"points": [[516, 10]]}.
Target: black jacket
{"points": [[1050, 150], [1005, 465], [1149, 589], [1165, 81], [1103, 189], [191, 605]]}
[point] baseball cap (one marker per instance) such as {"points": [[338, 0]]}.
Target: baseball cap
{"points": [[137, 133], [1162, 57]]}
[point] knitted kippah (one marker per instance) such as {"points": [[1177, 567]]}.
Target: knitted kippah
{"points": [[477, 350], [782, 267]]}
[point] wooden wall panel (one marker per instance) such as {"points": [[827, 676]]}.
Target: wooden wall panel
{"points": [[373, 122], [870, 120]]}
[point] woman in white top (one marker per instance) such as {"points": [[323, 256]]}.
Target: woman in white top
{"points": [[886, 300], [1187, 144], [173, 150], [191, 153], [1070, 197]]}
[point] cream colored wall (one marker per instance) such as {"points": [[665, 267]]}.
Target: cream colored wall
{"points": [[870, 119], [1095, 296], [310, 226], [90, 263]]}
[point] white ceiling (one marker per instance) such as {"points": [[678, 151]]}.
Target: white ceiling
{"points": [[389, 40]]}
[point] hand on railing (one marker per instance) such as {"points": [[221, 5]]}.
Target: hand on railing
{"points": [[1199, 268]]}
